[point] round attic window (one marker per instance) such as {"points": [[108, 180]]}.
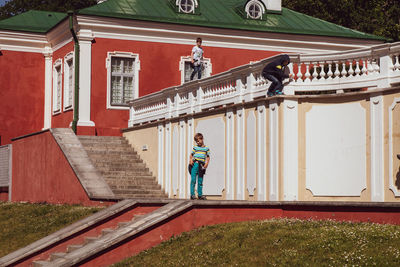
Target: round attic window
{"points": [[186, 6], [254, 9]]}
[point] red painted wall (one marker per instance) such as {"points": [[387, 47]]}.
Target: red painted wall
{"points": [[21, 94], [159, 69], [41, 173], [63, 119], [3, 193]]}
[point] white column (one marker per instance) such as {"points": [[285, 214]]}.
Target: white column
{"points": [[290, 150], [273, 151], [183, 162], [161, 158], [189, 147], [261, 151], [377, 149], [230, 150], [48, 61], [85, 75], [240, 148]]}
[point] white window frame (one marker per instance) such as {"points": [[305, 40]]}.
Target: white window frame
{"points": [[57, 92], [207, 67], [109, 72], [254, 2], [195, 5], [68, 90]]}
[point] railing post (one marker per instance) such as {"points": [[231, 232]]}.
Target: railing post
{"points": [[250, 80], [385, 66], [199, 101], [131, 116], [240, 91], [169, 108]]}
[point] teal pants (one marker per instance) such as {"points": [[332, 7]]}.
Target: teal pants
{"points": [[199, 175]]}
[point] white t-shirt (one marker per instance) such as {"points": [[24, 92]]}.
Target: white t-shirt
{"points": [[197, 55]]}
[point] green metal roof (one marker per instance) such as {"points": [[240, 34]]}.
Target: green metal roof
{"points": [[33, 21], [228, 14], [222, 14]]}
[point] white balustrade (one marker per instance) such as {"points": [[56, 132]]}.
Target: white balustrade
{"points": [[355, 69]]}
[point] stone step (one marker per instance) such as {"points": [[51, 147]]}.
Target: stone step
{"points": [[125, 165], [111, 158], [132, 187], [130, 181], [100, 152], [122, 224], [57, 255], [119, 173], [110, 150], [135, 191], [101, 138], [71, 248]]}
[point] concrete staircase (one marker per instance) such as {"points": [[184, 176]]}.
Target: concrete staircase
{"points": [[121, 167]]}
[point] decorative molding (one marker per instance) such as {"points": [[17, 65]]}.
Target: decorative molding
{"points": [[336, 152], [251, 152], [290, 150], [213, 131], [182, 158], [175, 163], [57, 93], [113, 28], [392, 153], [161, 154], [168, 159], [273, 151], [230, 154], [377, 149], [189, 147], [184, 59], [240, 153], [261, 151], [136, 76], [68, 57]]}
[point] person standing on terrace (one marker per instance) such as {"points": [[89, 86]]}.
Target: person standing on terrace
{"points": [[276, 73], [199, 160], [197, 59]]}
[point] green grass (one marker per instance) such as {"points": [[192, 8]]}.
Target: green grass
{"points": [[22, 224], [280, 242]]}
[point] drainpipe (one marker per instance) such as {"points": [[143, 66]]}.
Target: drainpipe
{"points": [[76, 65]]}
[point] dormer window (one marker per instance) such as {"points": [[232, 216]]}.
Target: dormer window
{"points": [[254, 9], [187, 6]]}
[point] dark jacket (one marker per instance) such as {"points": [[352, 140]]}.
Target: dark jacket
{"points": [[276, 68]]}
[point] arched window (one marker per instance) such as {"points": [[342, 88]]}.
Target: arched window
{"points": [[187, 6], [254, 9]]}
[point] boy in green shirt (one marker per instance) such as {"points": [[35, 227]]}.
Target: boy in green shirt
{"points": [[199, 160]]}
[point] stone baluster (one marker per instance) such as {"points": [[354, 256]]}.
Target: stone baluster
{"points": [[343, 73], [330, 73], [299, 74], [307, 74], [358, 70], [315, 72], [351, 70], [322, 74], [364, 68], [397, 64], [337, 72]]}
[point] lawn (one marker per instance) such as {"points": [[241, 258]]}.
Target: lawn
{"points": [[22, 224], [280, 242]]}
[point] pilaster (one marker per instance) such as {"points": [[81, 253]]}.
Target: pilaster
{"points": [[48, 61]]}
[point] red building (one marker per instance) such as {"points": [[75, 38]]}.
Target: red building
{"points": [[130, 48]]}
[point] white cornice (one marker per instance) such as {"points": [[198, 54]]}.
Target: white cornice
{"points": [[183, 34], [22, 41]]}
